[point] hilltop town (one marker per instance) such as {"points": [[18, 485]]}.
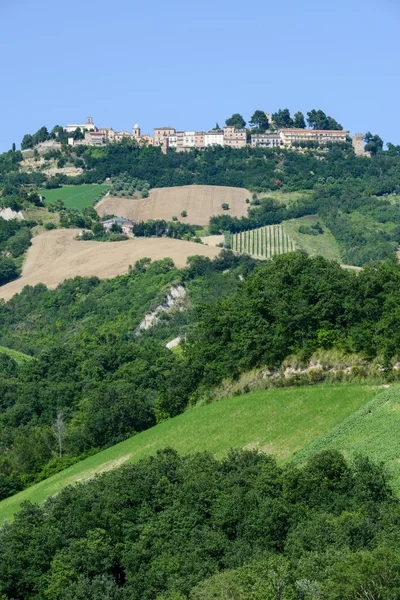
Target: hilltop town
{"points": [[231, 136]]}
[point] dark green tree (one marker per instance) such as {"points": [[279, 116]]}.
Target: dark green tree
{"points": [[236, 121], [259, 120], [373, 143], [282, 119], [299, 120]]}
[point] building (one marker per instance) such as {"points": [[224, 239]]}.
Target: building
{"points": [[266, 140], [321, 136], [161, 134], [94, 138], [125, 225], [199, 139], [89, 126], [215, 137], [235, 138], [358, 144]]}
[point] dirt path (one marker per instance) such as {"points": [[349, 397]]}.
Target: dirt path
{"points": [[199, 201], [56, 255]]}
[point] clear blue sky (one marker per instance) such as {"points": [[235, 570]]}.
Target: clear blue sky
{"points": [[190, 64]]}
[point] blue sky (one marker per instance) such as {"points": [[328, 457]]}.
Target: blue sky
{"points": [[190, 64]]}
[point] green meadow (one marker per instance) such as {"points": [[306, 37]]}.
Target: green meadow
{"points": [[281, 422], [74, 196]]}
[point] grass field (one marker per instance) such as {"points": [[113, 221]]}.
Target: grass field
{"points": [[74, 196], [372, 430], [19, 357], [280, 422], [324, 244]]}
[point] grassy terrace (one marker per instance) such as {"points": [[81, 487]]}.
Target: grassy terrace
{"points": [[74, 196], [280, 422]]}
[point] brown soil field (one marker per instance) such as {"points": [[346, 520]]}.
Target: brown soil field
{"points": [[56, 255], [200, 202]]}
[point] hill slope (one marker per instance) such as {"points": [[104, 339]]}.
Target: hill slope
{"points": [[371, 430], [19, 357], [199, 201], [280, 422], [56, 255]]}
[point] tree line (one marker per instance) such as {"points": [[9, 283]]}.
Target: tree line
{"points": [[195, 528]]}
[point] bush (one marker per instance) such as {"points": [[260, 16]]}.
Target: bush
{"points": [[8, 270], [174, 218], [225, 206], [184, 213], [50, 226]]}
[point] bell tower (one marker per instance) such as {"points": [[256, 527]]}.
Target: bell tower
{"points": [[136, 131]]}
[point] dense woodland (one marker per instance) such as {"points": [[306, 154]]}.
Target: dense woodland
{"points": [[106, 381], [173, 528]]}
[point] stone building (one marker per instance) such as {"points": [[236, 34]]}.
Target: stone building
{"points": [[161, 134], [235, 138]]}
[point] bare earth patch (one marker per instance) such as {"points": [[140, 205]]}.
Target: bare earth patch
{"points": [[199, 201], [56, 255]]}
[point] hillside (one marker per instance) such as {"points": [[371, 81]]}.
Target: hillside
{"points": [[56, 255], [199, 201], [74, 196], [279, 422], [372, 430]]}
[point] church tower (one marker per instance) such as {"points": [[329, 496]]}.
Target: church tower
{"points": [[136, 131]]}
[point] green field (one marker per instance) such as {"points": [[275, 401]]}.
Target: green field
{"points": [[324, 244], [281, 422], [74, 196], [19, 357], [372, 430], [264, 242]]}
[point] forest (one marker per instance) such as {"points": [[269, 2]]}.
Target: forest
{"points": [[105, 381], [193, 527]]}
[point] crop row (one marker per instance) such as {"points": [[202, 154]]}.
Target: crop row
{"points": [[264, 241]]}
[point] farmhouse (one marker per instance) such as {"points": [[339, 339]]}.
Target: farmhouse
{"points": [[124, 224]]}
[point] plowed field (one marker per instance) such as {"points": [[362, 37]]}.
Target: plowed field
{"points": [[56, 255], [199, 201]]}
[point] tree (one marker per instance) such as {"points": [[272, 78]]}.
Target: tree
{"points": [[259, 120], [236, 121], [184, 213], [299, 120], [317, 119], [373, 143], [27, 142], [59, 431], [13, 148], [225, 206], [8, 270], [282, 119]]}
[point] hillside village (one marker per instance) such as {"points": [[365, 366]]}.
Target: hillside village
{"points": [[229, 136]]}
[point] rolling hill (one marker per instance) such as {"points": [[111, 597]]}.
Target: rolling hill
{"points": [[199, 201], [371, 430], [56, 255], [281, 422]]}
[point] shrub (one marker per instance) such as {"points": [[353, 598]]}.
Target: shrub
{"points": [[50, 226], [184, 213], [174, 218], [225, 206]]}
